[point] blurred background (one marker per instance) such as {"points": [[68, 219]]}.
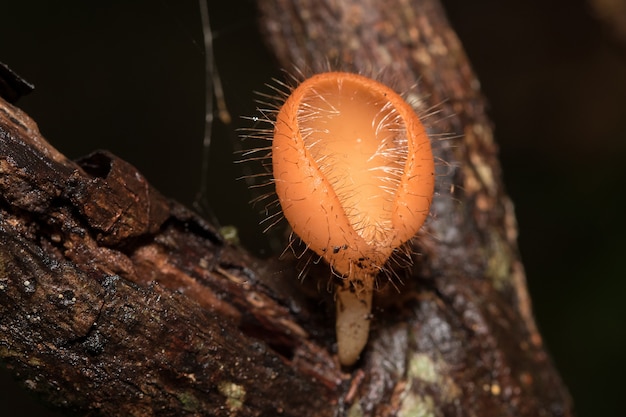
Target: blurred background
{"points": [[129, 77]]}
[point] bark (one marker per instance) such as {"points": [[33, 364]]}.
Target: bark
{"points": [[117, 301]]}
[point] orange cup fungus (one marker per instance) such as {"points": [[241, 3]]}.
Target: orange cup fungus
{"points": [[354, 174]]}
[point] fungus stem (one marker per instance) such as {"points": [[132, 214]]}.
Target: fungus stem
{"points": [[354, 308]]}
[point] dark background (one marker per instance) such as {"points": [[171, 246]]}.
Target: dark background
{"points": [[129, 77]]}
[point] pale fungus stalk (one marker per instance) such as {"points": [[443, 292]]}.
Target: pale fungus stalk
{"points": [[352, 325], [354, 174]]}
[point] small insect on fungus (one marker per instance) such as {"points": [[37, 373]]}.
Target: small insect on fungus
{"points": [[354, 174]]}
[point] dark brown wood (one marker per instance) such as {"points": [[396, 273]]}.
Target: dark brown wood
{"points": [[117, 301], [471, 321]]}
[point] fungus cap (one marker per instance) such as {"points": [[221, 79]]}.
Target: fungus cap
{"points": [[353, 170]]}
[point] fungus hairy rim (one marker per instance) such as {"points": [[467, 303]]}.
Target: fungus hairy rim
{"points": [[354, 174]]}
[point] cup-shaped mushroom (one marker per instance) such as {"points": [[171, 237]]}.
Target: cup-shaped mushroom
{"points": [[354, 174]]}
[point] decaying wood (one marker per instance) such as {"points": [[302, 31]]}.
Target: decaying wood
{"points": [[117, 301], [473, 322]]}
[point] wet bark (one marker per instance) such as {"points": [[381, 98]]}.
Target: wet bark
{"points": [[117, 301]]}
